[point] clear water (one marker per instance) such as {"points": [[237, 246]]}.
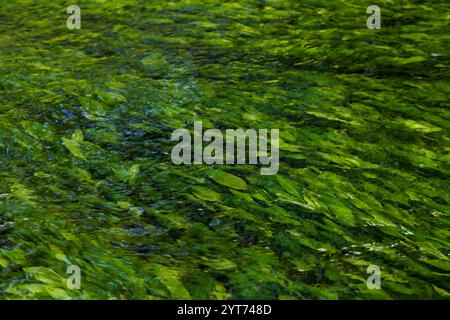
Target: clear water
{"points": [[86, 177]]}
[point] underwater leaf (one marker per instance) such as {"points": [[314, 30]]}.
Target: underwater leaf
{"points": [[154, 59], [288, 185], [421, 126], [400, 60], [311, 243], [442, 292], [220, 292], [243, 195], [21, 192], [341, 211], [36, 289], [94, 109], [170, 278], [441, 264], [58, 293], [127, 174], [78, 135], [219, 264], [206, 193], [74, 147], [3, 262], [228, 179], [59, 254], [38, 130], [111, 98], [45, 275]]}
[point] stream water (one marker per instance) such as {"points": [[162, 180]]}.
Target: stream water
{"points": [[86, 177]]}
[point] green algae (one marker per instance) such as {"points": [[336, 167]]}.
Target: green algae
{"points": [[86, 177]]}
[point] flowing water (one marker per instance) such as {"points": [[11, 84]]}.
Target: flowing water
{"points": [[86, 179]]}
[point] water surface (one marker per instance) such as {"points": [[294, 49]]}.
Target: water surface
{"points": [[86, 177]]}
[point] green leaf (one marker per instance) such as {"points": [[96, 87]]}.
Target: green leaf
{"points": [[206, 193], [45, 275], [219, 264], [288, 185], [441, 264], [74, 147], [21, 192], [58, 293], [3, 262], [442, 292], [227, 179], [170, 278], [243, 195], [38, 130], [111, 97], [127, 174], [154, 60]]}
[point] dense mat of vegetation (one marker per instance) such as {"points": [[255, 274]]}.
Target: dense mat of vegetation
{"points": [[85, 170]]}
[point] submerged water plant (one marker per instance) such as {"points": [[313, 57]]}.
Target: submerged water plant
{"points": [[86, 117]]}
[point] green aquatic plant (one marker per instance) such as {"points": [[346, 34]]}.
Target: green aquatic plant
{"points": [[86, 178]]}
